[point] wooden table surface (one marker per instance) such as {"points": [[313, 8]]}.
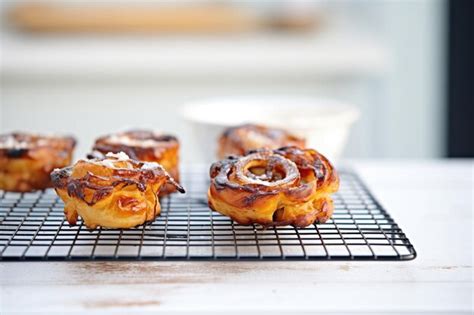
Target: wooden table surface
{"points": [[432, 201]]}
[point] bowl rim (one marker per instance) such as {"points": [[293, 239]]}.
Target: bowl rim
{"points": [[343, 112]]}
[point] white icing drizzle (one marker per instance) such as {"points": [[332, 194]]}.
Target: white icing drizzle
{"points": [[112, 158], [127, 140], [121, 156], [150, 165], [12, 143]]}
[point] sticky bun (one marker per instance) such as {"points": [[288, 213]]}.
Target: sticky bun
{"points": [[26, 160], [111, 192], [147, 146], [286, 186], [240, 139]]}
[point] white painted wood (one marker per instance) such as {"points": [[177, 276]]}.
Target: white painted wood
{"points": [[431, 200]]}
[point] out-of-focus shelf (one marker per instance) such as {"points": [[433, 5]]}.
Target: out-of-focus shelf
{"points": [[322, 54]]}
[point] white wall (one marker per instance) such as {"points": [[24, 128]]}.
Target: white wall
{"points": [[415, 88]]}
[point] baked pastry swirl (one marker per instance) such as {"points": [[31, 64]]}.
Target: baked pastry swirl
{"points": [[240, 139], [144, 145], [26, 160], [111, 192], [287, 186]]}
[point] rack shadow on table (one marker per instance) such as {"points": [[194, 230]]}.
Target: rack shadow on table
{"points": [[32, 228]]}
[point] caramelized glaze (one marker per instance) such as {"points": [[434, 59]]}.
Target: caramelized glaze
{"points": [[286, 186], [112, 192], [240, 139], [144, 145], [26, 160]]}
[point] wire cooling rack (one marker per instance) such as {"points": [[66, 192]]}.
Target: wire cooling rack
{"points": [[32, 227]]}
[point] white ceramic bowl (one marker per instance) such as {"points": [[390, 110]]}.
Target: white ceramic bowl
{"points": [[324, 123]]}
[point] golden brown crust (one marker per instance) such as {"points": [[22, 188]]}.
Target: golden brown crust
{"points": [[145, 145], [26, 160], [240, 139], [287, 186], [111, 192]]}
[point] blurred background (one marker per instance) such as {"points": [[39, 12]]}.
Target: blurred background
{"points": [[93, 67]]}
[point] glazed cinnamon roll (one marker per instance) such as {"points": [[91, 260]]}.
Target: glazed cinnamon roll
{"points": [[144, 145], [111, 192], [240, 139], [287, 186], [26, 160]]}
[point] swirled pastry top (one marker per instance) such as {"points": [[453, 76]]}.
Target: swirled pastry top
{"points": [[240, 139], [94, 179], [274, 187], [281, 168], [24, 145], [143, 145]]}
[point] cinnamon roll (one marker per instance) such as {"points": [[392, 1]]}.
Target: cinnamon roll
{"points": [[286, 186], [111, 192], [26, 160], [240, 139], [144, 145]]}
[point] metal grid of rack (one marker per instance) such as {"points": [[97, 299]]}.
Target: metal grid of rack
{"points": [[32, 227]]}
